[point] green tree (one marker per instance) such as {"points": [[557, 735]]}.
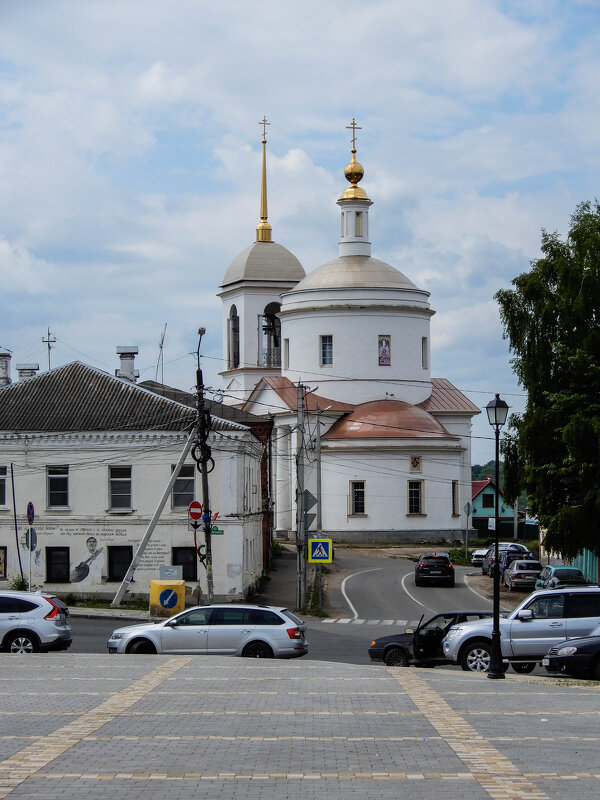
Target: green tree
{"points": [[552, 321]]}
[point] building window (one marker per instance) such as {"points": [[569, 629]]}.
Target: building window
{"points": [[455, 512], [119, 560], [384, 350], [343, 231], [358, 224], [416, 464], [286, 353], [2, 486], [57, 565], [120, 488], [233, 339], [326, 346], [425, 352], [271, 336], [415, 497], [2, 563], [187, 558], [57, 481], [357, 498], [183, 490], [487, 501]]}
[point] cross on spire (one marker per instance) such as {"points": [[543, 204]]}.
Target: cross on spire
{"points": [[264, 123], [354, 128]]}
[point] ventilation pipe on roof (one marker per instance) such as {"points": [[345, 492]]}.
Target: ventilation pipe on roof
{"points": [[127, 356], [4, 368], [27, 370]]}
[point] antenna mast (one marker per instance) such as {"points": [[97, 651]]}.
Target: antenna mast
{"points": [[49, 341], [160, 362]]}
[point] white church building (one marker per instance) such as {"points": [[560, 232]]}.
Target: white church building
{"points": [[393, 459]]}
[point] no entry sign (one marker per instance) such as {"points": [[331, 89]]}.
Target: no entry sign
{"points": [[195, 510]]}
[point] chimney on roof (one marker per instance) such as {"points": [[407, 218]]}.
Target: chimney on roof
{"points": [[4, 368], [127, 356], [27, 370]]}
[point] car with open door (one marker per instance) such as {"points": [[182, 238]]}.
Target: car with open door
{"points": [[421, 646]]}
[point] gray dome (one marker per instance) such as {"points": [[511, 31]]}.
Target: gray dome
{"points": [[360, 272], [264, 261]]}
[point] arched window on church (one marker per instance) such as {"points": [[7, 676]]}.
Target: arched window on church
{"points": [[271, 336], [233, 339]]}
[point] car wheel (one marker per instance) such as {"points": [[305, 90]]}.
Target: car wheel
{"points": [[396, 657], [22, 643], [524, 669], [257, 650], [418, 582], [596, 670], [142, 647], [476, 656], [451, 582]]}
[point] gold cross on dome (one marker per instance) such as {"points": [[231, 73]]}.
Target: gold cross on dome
{"points": [[354, 128], [264, 123]]}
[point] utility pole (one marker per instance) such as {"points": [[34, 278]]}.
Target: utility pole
{"points": [[49, 341], [319, 523], [300, 530], [202, 455]]}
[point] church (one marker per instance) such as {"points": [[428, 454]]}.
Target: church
{"points": [[340, 359]]}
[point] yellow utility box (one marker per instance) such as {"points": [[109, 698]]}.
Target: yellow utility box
{"points": [[166, 598]]}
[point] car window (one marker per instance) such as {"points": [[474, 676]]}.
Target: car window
{"points": [[8, 605], [583, 605], [526, 566], [23, 606], [229, 616], [568, 572], [435, 559], [548, 606], [296, 620], [261, 616], [197, 616]]}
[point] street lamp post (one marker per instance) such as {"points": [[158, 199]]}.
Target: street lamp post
{"points": [[497, 411]]}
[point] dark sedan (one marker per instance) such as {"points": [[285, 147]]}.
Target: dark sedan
{"points": [[434, 567], [578, 658], [423, 645]]}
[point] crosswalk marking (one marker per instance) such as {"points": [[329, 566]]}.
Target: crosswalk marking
{"points": [[346, 621]]}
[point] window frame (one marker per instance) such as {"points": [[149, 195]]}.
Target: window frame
{"points": [[326, 350], [413, 486], [354, 501], [116, 576], [3, 482], [191, 573], [54, 478], [180, 478], [484, 500], [117, 509], [54, 573], [455, 499]]}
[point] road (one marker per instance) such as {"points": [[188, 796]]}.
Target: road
{"points": [[372, 597]]}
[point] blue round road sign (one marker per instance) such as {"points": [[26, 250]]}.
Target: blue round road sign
{"points": [[30, 513], [168, 598]]}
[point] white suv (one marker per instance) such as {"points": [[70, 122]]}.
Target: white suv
{"points": [[228, 629], [32, 622], [543, 619]]}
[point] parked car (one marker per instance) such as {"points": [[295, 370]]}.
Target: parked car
{"points": [[521, 574], [422, 646], [553, 574], [487, 565], [477, 556], [579, 658], [32, 622], [434, 567], [253, 631], [540, 622]]}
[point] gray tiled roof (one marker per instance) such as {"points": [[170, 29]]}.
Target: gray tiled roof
{"points": [[80, 398]]}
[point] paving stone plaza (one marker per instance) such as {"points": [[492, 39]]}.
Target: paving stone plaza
{"points": [[99, 726]]}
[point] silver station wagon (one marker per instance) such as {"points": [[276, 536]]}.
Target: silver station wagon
{"points": [[253, 631]]}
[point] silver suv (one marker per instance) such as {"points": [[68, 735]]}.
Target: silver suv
{"points": [[32, 622], [235, 630], [542, 620]]}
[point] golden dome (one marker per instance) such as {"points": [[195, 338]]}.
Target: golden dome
{"points": [[354, 171]]}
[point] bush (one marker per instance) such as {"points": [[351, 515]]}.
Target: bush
{"points": [[19, 584]]}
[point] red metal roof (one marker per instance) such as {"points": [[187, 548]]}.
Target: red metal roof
{"points": [[387, 419], [446, 398]]}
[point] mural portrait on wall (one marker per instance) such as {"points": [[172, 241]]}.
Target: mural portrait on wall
{"points": [[82, 570], [2, 563], [384, 350]]}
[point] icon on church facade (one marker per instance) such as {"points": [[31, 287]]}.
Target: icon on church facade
{"points": [[384, 349]]}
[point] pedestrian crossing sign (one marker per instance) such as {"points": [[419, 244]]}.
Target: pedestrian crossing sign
{"points": [[320, 551]]}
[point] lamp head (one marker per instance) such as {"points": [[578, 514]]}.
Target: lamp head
{"points": [[497, 411]]}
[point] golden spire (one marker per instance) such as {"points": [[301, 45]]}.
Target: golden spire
{"points": [[263, 229], [354, 171]]}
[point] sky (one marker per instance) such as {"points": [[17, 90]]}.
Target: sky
{"points": [[130, 152]]}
